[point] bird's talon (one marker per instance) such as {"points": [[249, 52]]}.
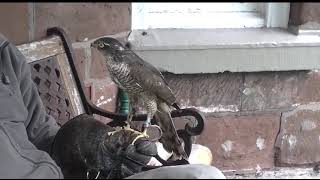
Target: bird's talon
{"points": [[111, 133], [127, 127], [144, 133], [141, 135], [136, 138]]}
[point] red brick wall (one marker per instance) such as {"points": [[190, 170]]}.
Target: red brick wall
{"points": [[263, 119], [307, 14], [25, 22], [14, 21], [253, 119]]}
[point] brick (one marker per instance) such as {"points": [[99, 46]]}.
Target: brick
{"points": [[308, 87], [269, 90], [102, 119], [80, 62], [83, 20], [104, 95], [15, 22], [298, 142], [294, 17], [241, 142], [305, 14], [207, 92], [310, 12], [98, 68], [87, 89]]}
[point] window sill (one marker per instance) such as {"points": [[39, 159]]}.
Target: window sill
{"points": [[218, 50]]}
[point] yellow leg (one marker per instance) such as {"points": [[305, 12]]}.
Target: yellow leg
{"points": [[112, 132], [127, 127], [146, 124], [144, 133], [139, 136], [129, 120]]}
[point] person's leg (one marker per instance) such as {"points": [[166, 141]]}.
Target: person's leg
{"points": [[190, 171]]}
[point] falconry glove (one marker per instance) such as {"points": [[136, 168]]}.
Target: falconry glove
{"points": [[131, 149], [86, 148]]}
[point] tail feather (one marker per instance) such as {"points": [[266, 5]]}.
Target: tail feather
{"points": [[170, 139]]}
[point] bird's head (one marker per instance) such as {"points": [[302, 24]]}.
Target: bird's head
{"points": [[107, 45]]}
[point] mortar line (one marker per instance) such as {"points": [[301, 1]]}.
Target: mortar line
{"points": [[243, 74], [31, 20]]}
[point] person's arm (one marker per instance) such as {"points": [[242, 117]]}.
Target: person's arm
{"points": [[23, 125], [41, 127]]}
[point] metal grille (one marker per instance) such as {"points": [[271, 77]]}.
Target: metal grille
{"points": [[47, 76]]}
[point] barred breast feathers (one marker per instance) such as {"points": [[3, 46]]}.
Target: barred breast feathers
{"points": [[121, 74]]}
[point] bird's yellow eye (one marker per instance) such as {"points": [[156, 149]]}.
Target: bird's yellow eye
{"points": [[101, 44]]}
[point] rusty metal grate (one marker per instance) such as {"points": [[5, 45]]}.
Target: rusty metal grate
{"points": [[47, 76]]}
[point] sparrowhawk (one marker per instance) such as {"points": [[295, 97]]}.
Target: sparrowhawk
{"points": [[141, 80]]}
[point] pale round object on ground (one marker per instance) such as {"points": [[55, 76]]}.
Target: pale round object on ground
{"points": [[200, 155]]}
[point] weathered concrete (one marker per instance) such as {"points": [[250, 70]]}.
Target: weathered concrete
{"points": [[276, 173]]}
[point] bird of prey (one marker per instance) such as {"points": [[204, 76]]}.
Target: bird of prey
{"points": [[141, 80]]}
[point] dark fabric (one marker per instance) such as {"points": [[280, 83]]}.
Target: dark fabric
{"points": [[26, 131]]}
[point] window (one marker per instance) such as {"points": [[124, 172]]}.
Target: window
{"points": [[209, 15], [186, 38]]}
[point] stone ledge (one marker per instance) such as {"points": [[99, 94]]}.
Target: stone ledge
{"points": [[209, 51], [276, 173], [182, 39]]}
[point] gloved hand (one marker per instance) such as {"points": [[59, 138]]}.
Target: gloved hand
{"points": [[85, 147], [130, 148]]}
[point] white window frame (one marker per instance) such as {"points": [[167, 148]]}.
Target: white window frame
{"points": [[277, 15], [205, 15], [214, 50]]}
